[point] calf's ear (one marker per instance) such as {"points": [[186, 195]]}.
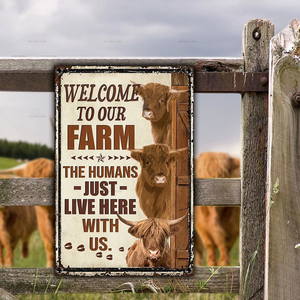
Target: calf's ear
{"points": [[137, 154], [174, 229]]}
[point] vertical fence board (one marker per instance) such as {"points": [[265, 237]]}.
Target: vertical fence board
{"points": [[283, 222], [257, 34]]}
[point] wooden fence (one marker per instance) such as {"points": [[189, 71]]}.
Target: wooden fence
{"points": [[258, 276]]}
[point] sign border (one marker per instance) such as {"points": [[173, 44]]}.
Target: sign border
{"points": [[120, 271]]}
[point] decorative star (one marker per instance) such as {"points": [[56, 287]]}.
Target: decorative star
{"points": [[100, 158]]}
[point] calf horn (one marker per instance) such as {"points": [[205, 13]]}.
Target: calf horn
{"points": [[127, 222], [177, 221]]}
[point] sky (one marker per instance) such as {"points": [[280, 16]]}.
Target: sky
{"points": [[93, 28]]}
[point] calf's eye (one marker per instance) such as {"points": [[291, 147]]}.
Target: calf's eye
{"points": [[162, 100], [148, 163]]}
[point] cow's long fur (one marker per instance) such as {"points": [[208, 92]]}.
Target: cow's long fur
{"points": [[16, 223], [153, 234], [156, 159], [218, 227], [157, 102], [39, 168]]}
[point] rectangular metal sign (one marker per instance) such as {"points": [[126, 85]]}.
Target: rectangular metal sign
{"points": [[123, 170]]}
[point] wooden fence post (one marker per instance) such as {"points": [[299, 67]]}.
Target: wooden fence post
{"points": [[283, 215], [257, 34]]}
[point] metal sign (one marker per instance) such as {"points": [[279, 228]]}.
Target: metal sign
{"points": [[118, 170]]}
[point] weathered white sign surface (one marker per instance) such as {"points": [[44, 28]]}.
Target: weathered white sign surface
{"points": [[115, 166]]}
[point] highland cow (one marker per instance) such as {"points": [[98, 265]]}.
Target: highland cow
{"points": [[154, 183], [39, 168], [152, 249], [218, 227], [16, 222], [157, 109]]}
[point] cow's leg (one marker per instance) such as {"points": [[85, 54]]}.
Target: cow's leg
{"points": [[198, 250], [45, 217], [9, 248], [24, 247], [1, 255], [219, 235], [202, 226], [5, 241]]}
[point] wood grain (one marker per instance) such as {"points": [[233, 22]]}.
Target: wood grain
{"points": [[254, 162], [218, 192], [27, 191], [283, 222], [21, 281], [46, 65], [40, 191]]}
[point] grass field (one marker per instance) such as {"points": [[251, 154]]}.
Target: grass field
{"points": [[6, 163]]}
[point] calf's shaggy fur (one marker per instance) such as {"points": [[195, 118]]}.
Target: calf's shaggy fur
{"points": [[154, 183], [157, 109], [152, 248]]}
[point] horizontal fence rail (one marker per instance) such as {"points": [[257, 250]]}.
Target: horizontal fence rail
{"points": [[211, 75], [40, 191], [24, 280]]}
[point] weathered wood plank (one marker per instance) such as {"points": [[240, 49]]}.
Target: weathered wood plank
{"points": [[224, 82], [27, 191], [36, 75], [40, 191], [205, 82], [21, 281], [4, 295], [218, 192], [257, 34], [283, 222], [46, 65]]}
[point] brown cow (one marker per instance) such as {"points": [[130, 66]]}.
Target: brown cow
{"points": [[39, 168], [154, 183], [16, 222], [218, 227], [157, 103], [152, 249]]}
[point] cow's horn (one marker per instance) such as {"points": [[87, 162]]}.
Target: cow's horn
{"points": [[141, 85], [177, 221], [127, 222]]}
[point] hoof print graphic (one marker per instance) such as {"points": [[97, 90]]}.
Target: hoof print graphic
{"points": [[68, 246], [80, 248]]}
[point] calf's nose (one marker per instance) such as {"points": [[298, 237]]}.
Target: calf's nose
{"points": [[153, 254], [160, 179], [147, 113]]}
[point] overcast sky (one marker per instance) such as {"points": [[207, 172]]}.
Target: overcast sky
{"points": [[130, 29]]}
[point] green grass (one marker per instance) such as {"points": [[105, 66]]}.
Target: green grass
{"points": [[37, 255], [6, 163], [234, 255]]}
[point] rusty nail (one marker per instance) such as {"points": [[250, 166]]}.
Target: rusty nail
{"points": [[256, 34], [296, 99], [264, 81]]}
